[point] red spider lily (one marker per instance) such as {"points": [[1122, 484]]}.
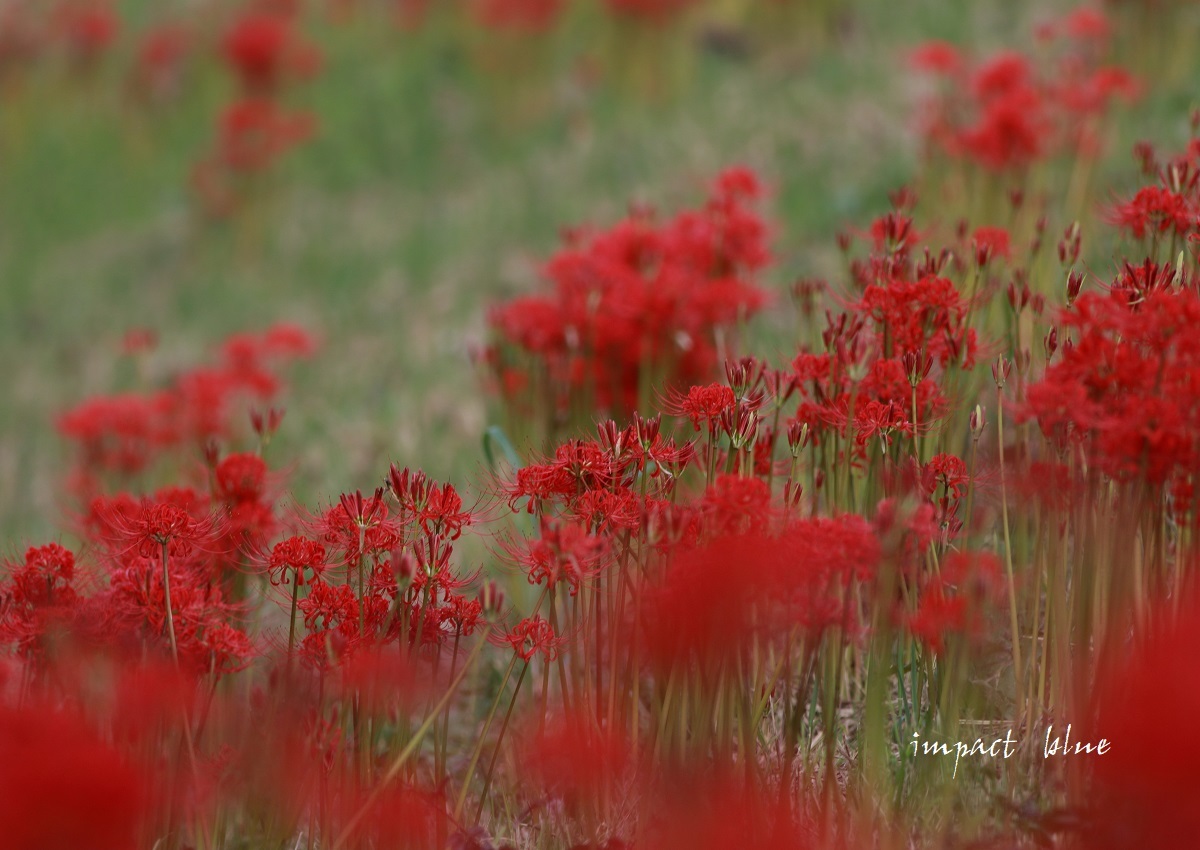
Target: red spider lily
{"points": [[87, 29], [988, 243], [359, 526], [532, 636], [39, 600], [159, 524], [135, 614], [1156, 210], [608, 510], [642, 300], [331, 615], [923, 317], [127, 433], [253, 134], [945, 471], [297, 554], [957, 600], [1008, 112], [62, 785], [263, 50], [563, 552], [158, 69], [1126, 389], [704, 404], [579, 466], [1134, 283]]}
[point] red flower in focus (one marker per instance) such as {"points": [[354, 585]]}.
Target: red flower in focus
{"points": [[531, 636], [1127, 390], [948, 472], [564, 551], [156, 524], [704, 404], [296, 554]]}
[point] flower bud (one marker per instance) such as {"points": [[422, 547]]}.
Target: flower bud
{"points": [[1001, 369], [491, 597], [1051, 343], [978, 421]]}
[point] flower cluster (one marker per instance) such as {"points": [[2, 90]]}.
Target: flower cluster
{"points": [[1009, 111], [634, 308]]}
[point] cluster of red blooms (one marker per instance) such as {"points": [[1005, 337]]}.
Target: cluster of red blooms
{"points": [[86, 33], [881, 373], [644, 304], [380, 571], [126, 433], [1167, 212], [266, 54], [1125, 389], [1010, 111]]}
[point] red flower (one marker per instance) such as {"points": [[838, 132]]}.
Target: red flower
{"points": [[704, 404], [531, 636], [264, 49], [255, 132], [1156, 210], [1127, 389], [62, 787], [296, 554]]}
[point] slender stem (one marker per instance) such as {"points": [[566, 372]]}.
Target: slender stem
{"points": [[167, 600], [487, 778], [292, 623], [487, 724], [398, 763], [1008, 559]]}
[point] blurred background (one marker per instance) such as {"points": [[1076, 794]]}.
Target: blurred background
{"points": [[380, 172]]}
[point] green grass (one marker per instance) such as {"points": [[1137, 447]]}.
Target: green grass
{"points": [[392, 232]]}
